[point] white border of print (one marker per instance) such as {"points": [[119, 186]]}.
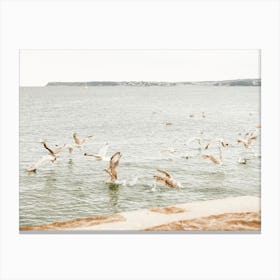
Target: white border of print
{"points": [[139, 25]]}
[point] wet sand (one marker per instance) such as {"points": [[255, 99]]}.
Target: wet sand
{"points": [[248, 221], [228, 214]]}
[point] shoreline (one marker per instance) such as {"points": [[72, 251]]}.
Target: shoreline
{"points": [[227, 214]]}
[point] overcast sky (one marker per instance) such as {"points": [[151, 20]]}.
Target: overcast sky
{"points": [[38, 67]]}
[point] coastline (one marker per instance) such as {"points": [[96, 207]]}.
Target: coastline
{"points": [[228, 214]]}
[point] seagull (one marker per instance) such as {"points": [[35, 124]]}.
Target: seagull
{"points": [[254, 131], [247, 142], [52, 153], [101, 154], [41, 161], [167, 179], [113, 166], [216, 160], [168, 123], [80, 141], [203, 115], [251, 133]]}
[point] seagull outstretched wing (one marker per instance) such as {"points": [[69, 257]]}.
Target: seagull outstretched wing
{"points": [[39, 162]]}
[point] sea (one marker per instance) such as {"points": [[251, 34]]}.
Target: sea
{"points": [[153, 128]]}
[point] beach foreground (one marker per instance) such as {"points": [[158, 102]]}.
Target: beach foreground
{"points": [[228, 214]]}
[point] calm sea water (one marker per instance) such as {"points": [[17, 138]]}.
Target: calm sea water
{"points": [[133, 121]]}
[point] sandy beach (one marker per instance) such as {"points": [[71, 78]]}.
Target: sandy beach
{"points": [[229, 214]]}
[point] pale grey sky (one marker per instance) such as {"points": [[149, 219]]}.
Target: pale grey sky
{"points": [[38, 67]]}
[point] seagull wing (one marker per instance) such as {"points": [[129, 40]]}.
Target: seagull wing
{"points": [[47, 148], [76, 139], [251, 140], [115, 160], [210, 143], [159, 179], [206, 147], [83, 140], [165, 173], [103, 151], [39, 162], [58, 150]]}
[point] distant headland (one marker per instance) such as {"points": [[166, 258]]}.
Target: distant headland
{"points": [[238, 82]]}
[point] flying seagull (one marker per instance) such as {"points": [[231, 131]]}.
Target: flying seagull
{"points": [[80, 141], [41, 161], [247, 142], [52, 153]]}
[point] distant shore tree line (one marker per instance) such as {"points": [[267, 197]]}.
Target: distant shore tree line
{"points": [[239, 82]]}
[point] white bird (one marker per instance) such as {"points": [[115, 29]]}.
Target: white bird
{"points": [[101, 154], [53, 153], [113, 166], [247, 142], [41, 161], [80, 141], [167, 179]]}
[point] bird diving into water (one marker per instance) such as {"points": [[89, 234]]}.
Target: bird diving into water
{"points": [[113, 166]]}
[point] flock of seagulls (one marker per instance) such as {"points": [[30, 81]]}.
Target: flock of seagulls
{"points": [[79, 144], [163, 177]]}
